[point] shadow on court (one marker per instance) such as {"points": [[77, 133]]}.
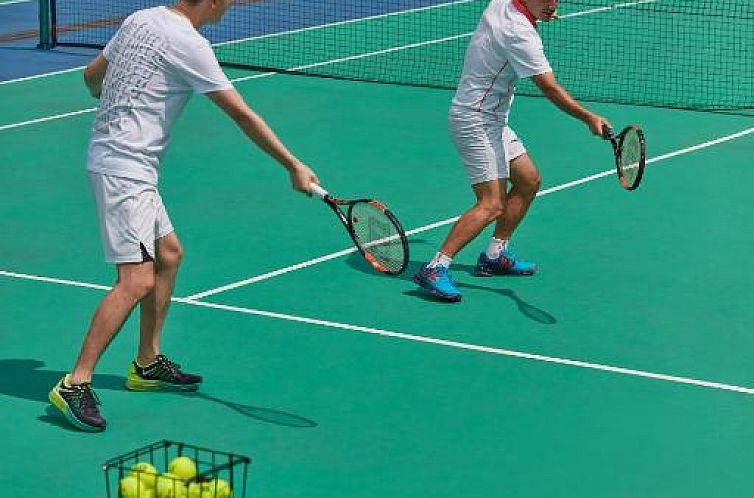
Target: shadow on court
{"points": [[25, 379], [530, 311], [262, 414]]}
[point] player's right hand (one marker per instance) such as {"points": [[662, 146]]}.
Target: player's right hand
{"points": [[301, 177], [597, 125]]}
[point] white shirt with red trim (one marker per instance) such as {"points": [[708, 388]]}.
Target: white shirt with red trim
{"points": [[504, 48]]}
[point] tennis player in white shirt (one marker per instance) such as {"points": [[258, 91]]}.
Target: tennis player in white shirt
{"points": [[144, 77], [504, 48]]}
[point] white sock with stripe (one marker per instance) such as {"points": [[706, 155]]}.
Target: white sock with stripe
{"points": [[440, 259]]}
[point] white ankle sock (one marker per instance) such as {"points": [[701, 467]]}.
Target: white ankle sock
{"points": [[440, 259], [496, 248]]}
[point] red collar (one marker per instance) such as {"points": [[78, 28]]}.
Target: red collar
{"points": [[525, 11]]}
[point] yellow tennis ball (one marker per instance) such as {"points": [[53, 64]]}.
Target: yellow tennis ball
{"points": [[183, 467], [130, 487], [146, 473], [194, 490], [216, 488], [170, 486]]}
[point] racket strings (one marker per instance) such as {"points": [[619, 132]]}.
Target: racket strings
{"points": [[378, 235], [630, 156]]}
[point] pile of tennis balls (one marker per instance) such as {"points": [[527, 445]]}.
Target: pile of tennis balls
{"points": [[144, 481]]}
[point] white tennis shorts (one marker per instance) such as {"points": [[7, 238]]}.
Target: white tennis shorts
{"points": [[131, 217], [486, 146]]}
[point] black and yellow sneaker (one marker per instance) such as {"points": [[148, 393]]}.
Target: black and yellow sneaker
{"points": [[78, 404], [161, 375]]}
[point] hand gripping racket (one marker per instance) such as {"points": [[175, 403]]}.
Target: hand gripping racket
{"points": [[630, 154], [374, 229]]}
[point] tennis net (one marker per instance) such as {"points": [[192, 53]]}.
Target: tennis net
{"points": [[691, 54]]}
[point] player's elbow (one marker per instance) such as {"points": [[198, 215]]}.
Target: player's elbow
{"points": [[92, 82]]}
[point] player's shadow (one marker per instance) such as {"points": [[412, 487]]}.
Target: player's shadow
{"points": [[358, 263], [26, 379], [527, 309]]}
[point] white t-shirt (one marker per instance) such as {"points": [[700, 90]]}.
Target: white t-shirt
{"points": [[504, 48], [156, 61]]}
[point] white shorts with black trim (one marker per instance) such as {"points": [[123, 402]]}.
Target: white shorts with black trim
{"points": [[486, 146], [131, 217]]}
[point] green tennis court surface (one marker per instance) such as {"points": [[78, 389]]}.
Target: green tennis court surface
{"points": [[620, 370]]}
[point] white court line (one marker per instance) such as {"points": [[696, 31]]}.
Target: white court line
{"points": [[41, 75], [357, 56], [474, 347], [61, 281], [46, 118], [421, 339], [12, 2], [586, 179]]}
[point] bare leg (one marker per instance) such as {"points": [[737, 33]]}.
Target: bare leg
{"points": [[526, 181], [154, 306], [135, 280], [489, 206]]}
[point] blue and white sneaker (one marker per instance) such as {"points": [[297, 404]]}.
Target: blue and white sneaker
{"points": [[437, 282], [505, 264]]}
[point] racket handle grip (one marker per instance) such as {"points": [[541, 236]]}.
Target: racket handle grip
{"points": [[316, 189], [607, 132]]}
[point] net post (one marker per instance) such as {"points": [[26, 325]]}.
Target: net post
{"points": [[45, 31]]}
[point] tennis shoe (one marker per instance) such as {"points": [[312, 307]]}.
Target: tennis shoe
{"points": [[161, 375], [505, 264], [437, 282], [78, 404]]}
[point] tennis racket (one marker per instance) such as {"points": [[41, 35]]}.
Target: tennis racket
{"points": [[630, 154], [374, 230]]}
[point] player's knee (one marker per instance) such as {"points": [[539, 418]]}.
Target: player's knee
{"points": [[529, 185], [169, 253], [172, 257]]}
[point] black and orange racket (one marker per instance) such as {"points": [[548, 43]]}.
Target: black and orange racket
{"points": [[630, 152], [374, 230]]}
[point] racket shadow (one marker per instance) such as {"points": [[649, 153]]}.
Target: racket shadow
{"points": [[528, 310], [268, 415]]}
